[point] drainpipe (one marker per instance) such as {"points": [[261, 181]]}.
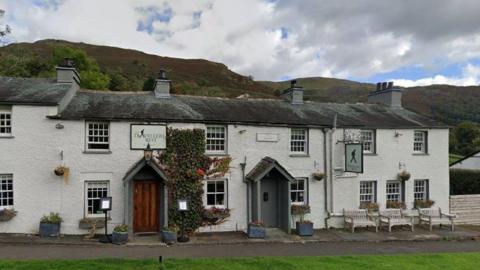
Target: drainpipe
{"points": [[325, 185], [242, 166]]}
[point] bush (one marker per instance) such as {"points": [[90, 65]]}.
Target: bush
{"points": [[463, 182], [53, 218], [121, 228], [423, 203], [370, 206], [395, 204]]}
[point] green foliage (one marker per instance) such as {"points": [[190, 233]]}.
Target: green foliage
{"points": [[463, 182], [121, 228], [423, 203], [148, 84], [52, 218], [465, 138], [94, 80]]}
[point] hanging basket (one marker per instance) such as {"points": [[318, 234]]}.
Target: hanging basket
{"points": [[404, 175], [62, 171], [7, 214], [318, 176]]}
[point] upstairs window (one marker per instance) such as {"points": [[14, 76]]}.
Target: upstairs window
{"points": [[216, 139], [299, 141], [5, 122], [420, 142], [368, 140], [98, 136], [216, 193], [6, 190], [298, 191], [94, 191]]}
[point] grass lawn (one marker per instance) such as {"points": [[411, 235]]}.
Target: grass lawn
{"points": [[404, 262]]}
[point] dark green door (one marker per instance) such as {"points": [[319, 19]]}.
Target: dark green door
{"points": [[269, 202]]}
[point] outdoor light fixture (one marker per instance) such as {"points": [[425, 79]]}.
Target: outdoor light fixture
{"points": [[105, 206], [148, 153], [59, 126], [182, 208]]}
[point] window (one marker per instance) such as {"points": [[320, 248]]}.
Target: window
{"points": [[368, 192], [98, 136], [394, 189], [368, 140], [6, 190], [216, 139], [420, 190], [299, 140], [94, 190], [216, 193], [420, 142], [5, 123], [298, 191]]}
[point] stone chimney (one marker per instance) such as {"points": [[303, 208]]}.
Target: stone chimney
{"points": [[294, 94], [386, 94], [162, 85], [66, 72]]}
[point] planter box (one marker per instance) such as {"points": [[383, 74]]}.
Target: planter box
{"points": [[49, 230], [119, 238], [304, 229], [255, 231], [100, 222], [169, 237]]}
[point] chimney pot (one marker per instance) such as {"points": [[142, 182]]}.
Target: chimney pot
{"points": [[384, 85], [379, 86], [293, 83], [390, 85], [388, 95], [294, 94], [162, 74]]}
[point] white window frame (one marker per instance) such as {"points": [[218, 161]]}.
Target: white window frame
{"points": [[368, 140], [215, 193], [98, 135], [296, 142], [4, 113], [89, 184], [297, 190], [368, 189], [420, 142], [390, 190], [6, 191], [214, 141], [420, 189]]}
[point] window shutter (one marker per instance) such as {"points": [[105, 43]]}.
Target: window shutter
{"points": [[427, 189], [374, 191], [403, 191], [426, 142]]}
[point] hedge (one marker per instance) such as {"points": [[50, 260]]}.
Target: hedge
{"points": [[463, 182]]}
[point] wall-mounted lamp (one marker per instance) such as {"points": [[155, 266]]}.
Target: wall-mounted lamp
{"points": [[242, 131], [397, 134], [59, 126]]}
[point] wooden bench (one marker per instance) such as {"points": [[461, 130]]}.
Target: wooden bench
{"points": [[358, 218], [395, 217], [432, 217]]}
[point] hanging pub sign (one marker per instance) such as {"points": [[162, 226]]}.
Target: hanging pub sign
{"points": [[354, 157], [142, 136]]}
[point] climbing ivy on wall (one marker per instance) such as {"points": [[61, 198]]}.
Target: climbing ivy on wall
{"points": [[187, 165]]}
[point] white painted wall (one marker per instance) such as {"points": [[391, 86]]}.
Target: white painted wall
{"points": [[34, 152], [471, 163]]}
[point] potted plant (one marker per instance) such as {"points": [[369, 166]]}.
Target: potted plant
{"points": [[120, 234], [169, 234], [404, 175], [370, 206], [395, 204], [423, 203], [256, 230], [50, 225], [304, 227], [318, 176], [7, 214]]}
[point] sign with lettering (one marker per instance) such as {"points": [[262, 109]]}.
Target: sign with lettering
{"points": [[354, 157], [142, 136], [267, 137]]}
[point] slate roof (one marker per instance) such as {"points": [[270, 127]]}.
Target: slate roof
{"points": [[265, 166], [144, 106], [31, 91]]}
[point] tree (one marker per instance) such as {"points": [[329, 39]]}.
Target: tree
{"points": [[465, 138]]}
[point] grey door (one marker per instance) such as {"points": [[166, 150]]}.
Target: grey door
{"points": [[269, 201]]}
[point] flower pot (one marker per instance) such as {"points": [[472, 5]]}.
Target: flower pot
{"points": [[59, 172], [119, 238], [169, 237], [304, 228], [318, 176], [49, 230], [255, 231]]}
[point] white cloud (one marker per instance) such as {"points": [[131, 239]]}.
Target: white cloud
{"points": [[470, 76], [339, 38]]}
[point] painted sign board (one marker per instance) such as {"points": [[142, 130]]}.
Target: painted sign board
{"points": [[354, 157], [142, 136], [267, 137]]}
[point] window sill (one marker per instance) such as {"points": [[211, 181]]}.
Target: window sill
{"points": [[216, 154], [97, 152], [420, 154], [7, 137], [299, 155], [370, 154]]}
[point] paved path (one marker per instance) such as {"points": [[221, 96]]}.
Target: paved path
{"points": [[25, 251]]}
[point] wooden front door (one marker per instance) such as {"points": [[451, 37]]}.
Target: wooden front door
{"points": [[146, 206]]}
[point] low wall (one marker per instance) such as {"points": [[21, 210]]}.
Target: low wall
{"points": [[467, 208]]}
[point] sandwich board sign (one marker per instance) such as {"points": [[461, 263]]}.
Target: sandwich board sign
{"points": [[354, 157]]}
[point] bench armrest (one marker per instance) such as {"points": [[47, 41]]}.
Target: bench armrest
{"points": [[350, 219], [450, 216]]}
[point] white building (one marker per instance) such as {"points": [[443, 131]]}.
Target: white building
{"points": [[279, 143]]}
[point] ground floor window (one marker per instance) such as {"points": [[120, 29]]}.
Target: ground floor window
{"points": [[394, 191], [6, 190], [216, 193], [298, 191], [368, 192], [94, 191], [420, 190]]}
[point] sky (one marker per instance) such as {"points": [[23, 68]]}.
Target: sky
{"points": [[410, 42]]}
